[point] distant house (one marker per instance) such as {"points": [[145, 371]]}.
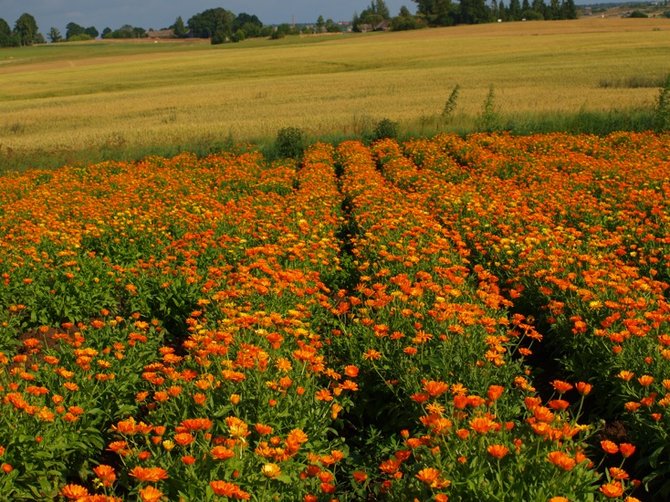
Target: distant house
{"points": [[383, 26], [165, 33]]}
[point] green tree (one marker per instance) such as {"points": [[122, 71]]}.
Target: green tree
{"points": [[212, 23], [405, 21], [332, 26], [436, 12], [376, 13], [320, 24], [7, 39], [539, 8], [569, 9], [106, 33], [179, 28], [355, 22], [474, 12], [54, 35], [515, 10], [26, 30], [92, 32], [73, 30], [249, 24]]}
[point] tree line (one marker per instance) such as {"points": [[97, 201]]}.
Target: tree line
{"points": [[221, 25], [25, 32], [447, 13], [218, 24]]}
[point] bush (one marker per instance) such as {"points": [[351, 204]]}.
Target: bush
{"points": [[451, 103], [290, 142], [385, 128], [638, 14], [662, 112]]}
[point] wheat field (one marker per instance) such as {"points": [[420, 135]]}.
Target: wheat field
{"points": [[107, 96]]}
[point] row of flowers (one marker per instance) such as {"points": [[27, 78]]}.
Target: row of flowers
{"points": [[577, 229], [438, 342], [364, 325]]}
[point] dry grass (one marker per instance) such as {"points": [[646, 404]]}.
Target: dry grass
{"points": [[114, 96]]}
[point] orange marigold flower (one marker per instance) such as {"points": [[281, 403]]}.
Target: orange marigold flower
{"points": [[583, 388], [497, 451], [558, 404], [150, 494], [237, 427], [148, 474], [482, 425], [646, 380], [230, 490], [372, 355], [351, 371], [222, 453], [495, 391], [74, 492], [390, 466], [609, 446], [270, 470], [197, 424], [435, 388], [626, 375], [263, 429], [543, 414], [106, 474], [613, 489], [428, 475], [6, 468], [183, 438], [561, 386], [561, 460], [618, 473], [360, 476], [323, 395], [431, 477], [627, 449], [188, 460], [559, 499]]}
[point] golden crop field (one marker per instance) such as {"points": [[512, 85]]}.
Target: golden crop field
{"points": [[57, 101]]}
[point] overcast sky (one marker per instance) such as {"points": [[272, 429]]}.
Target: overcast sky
{"points": [[162, 13]]}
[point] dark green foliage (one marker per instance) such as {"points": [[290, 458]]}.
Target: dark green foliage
{"points": [[373, 15], [451, 103], [569, 9], [26, 30], [92, 32], [249, 24], [54, 35], [290, 143], [638, 14], [406, 21], [385, 128], [212, 23], [126, 31], [489, 120], [7, 38], [662, 115], [437, 12], [73, 30], [474, 12], [179, 28]]}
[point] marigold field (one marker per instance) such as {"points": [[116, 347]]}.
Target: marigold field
{"points": [[481, 318]]}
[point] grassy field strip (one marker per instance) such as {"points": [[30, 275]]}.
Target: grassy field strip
{"points": [[143, 96]]}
